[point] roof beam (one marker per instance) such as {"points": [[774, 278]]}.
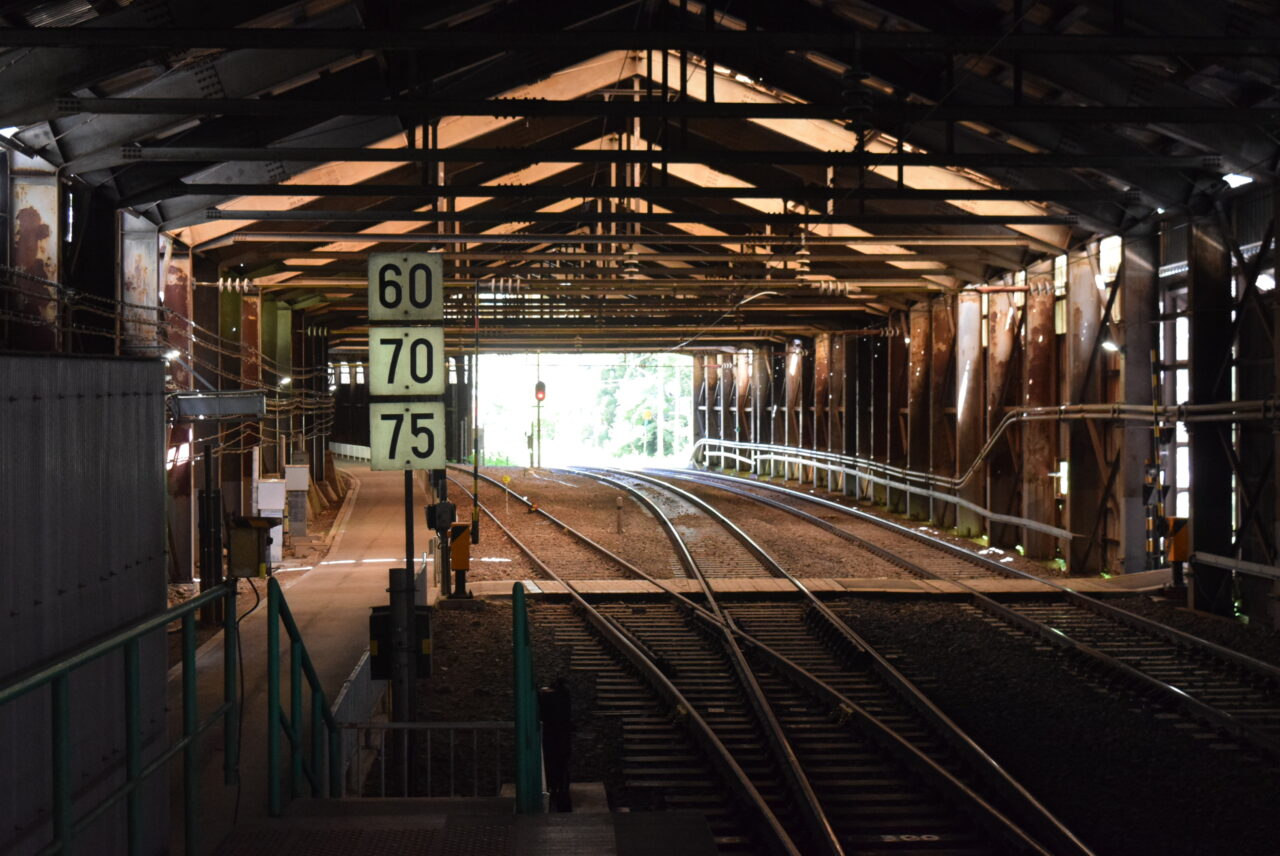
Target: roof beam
{"points": [[877, 115], [549, 191], [123, 155], [456, 39]]}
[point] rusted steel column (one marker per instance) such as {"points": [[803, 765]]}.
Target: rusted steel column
{"points": [[1209, 307], [1139, 289], [919, 412], [1004, 323], [880, 409], [1084, 370], [863, 399], [821, 388], [725, 388], [178, 331], [1039, 438], [970, 400], [779, 360], [139, 254], [699, 404], [36, 236], [896, 409], [761, 361], [942, 427], [793, 402], [711, 373], [837, 391], [742, 399]]}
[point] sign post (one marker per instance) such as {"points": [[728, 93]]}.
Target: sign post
{"points": [[406, 427]]}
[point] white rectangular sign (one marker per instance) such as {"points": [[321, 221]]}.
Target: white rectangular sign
{"points": [[406, 361], [406, 287], [406, 435]]}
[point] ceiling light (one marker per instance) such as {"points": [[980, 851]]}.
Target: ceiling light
{"points": [[1235, 179]]}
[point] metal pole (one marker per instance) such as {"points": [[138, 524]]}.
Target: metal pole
{"points": [[475, 427], [401, 590], [538, 429]]}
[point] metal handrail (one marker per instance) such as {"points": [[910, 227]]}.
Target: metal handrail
{"points": [[326, 736], [497, 728], [894, 478], [66, 827]]}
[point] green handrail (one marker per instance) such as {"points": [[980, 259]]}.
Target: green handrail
{"points": [[326, 737], [528, 743], [66, 826]]}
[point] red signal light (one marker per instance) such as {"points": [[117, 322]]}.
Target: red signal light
{"points": [[540, 391]]}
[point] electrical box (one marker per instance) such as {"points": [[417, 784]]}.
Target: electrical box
{"points": [[380, 642], [270, 495], [249, 552], [297, 476]]}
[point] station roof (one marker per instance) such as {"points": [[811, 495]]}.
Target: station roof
{"points": [[645, 173]]}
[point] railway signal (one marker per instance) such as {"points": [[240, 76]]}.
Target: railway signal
{"points": [[540, 391]]}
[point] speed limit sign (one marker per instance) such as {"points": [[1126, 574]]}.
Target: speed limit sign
{"points": [[406, 361], [405, 287], [406, 435]]}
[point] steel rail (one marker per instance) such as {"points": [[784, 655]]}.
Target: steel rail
{"points": [[1166, 691], [1048, 827], [643, 660], [996, 823]]}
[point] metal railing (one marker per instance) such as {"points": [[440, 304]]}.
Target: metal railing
{"points": [[318, 759], [442, 747], [66, 823], [761, 458]]}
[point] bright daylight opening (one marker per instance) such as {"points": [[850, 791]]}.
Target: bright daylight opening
{"points": [[600, 409]]}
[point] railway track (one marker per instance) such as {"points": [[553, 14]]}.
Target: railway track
{"points": [[1213, 685], [574, 558], [878, 789]]}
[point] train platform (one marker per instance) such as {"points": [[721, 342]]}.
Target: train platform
{"points": [[330, 603], [1120, 586], [465, 827]]}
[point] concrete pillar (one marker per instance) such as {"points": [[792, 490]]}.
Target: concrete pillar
{"points": [[1139, 289], [942, 442], [1209, 309], [880, 410], [969, 398], [1084, 369], [724, 408], [742, 400], [919, 412], [1004, 321], [1039, 438]]}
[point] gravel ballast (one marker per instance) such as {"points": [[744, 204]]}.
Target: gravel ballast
{"points": [[1124, 779]]}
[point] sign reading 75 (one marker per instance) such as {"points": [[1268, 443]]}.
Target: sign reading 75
{"points": [[406, 435]]}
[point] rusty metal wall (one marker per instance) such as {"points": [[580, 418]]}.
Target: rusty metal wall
{"points": [[81, 555]]}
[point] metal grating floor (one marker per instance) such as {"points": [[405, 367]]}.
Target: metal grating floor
{"points": [[642, 834]]}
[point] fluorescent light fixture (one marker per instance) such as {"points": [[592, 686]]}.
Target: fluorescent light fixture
{"points": [[1235, 179], [1109, 345], [285, 381], [171, 354]]}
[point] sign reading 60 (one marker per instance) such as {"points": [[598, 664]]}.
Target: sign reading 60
{"points": [[405, 287]]}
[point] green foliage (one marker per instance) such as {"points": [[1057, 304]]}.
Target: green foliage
{"points": [[643, 407]]}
